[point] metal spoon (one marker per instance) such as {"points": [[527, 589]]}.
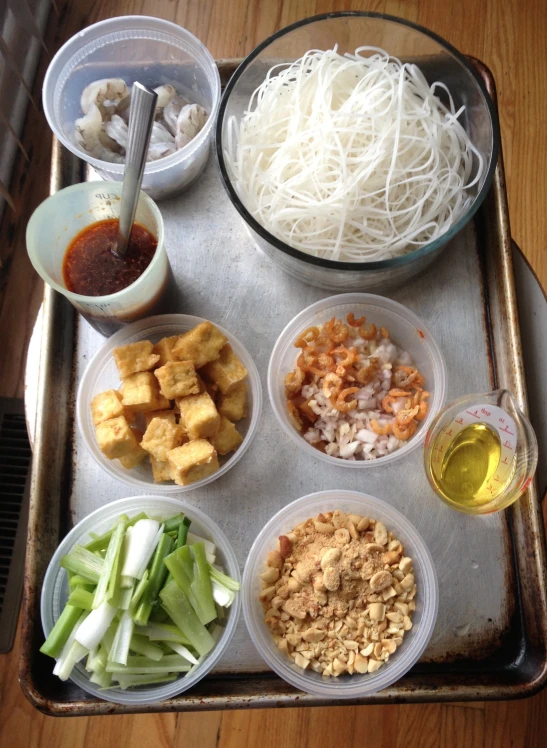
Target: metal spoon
{"points": [[141, 120]]}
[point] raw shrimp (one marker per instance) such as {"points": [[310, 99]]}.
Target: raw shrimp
{"points": [[166, 93], [190, 121], [161, 134], [104, 94], [117, 130], [171, 113], [91, 136], [160, 150]]}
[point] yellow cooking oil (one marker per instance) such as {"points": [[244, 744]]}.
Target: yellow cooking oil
{"points": [[463, 469]]}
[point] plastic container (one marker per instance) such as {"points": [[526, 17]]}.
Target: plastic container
{"points": [[55, 590], [56, 222], [427, 598], [154, 52], [484, 490], [407, 332], [101, 374], [438, 60]]}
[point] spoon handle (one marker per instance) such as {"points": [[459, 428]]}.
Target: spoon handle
{"points": [[141, 119]]}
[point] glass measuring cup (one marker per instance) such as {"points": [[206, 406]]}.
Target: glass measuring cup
{"points": [[480, 453], [56, 222]]}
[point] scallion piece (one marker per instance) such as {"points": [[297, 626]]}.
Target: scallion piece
{"points": [[182, 614], [83, 562], [60, 633]]}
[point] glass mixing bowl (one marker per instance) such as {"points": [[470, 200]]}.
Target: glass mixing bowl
{"points": [[438, 61]]}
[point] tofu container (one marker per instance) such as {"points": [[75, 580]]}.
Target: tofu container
{"points": [[102, 374], [55, 591], [407, 331], [346, 686]]}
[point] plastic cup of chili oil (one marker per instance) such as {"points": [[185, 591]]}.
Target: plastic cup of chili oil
{"points": [[67, 217]]}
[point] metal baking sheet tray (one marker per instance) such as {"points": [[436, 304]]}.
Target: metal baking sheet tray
{"points": [[491, 634]]}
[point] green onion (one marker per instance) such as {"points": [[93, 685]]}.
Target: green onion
{"points": [[181, 612], [110, 566], [142, 645], [80, 598], [84, 563], [59, 634], [158, 572]]}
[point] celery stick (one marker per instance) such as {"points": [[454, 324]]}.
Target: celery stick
{"points": [[143, 646], [120, 647], [80, 598], [62, 630], [139, 664], [101, 542], [84, 563], [164, 632], [182, 614], [110, 565], [126, 681], [158, 572], [172, 524], [201, 584], [75, 580]]}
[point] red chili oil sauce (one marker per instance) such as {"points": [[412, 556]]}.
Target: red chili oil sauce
{"points": [[91, 268]]}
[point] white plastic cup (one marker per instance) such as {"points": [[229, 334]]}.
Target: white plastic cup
{"points": [[55, 590], [56, 222], [136, 48], [407, 332], [423, 620], [102, 374]]}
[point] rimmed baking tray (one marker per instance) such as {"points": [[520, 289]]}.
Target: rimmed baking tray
{"points": [[490, 641]]}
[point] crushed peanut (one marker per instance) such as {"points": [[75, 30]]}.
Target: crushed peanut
{"points": [[338, 594]]}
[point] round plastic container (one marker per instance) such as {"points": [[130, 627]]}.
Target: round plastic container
{"points": [[427, 598], [55, 590], [56, 222], [101, 374], [135, 48], [438, 61], [407, 332]]}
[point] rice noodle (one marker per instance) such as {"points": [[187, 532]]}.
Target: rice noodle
{"points": [[352, 158]]}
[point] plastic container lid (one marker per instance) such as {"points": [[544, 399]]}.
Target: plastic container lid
{"points": [[101, 374], [407, 332], [55, 590], [427, 598]]}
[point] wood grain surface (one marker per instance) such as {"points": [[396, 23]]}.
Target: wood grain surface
{"points": [[508, 35]]}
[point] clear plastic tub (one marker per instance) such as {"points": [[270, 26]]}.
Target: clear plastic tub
{"points": [[415, 641], [154, 52], [58, 220], [407, 332], [55, 590], [101, 374]]}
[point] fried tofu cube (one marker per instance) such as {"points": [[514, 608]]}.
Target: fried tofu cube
{"points": [[141, 392], [164, 349], [106, 405], [200, 345], [177, 379], [227, 438], [160, 437], [233, 404], [193, 461], [135, 357], [227, 371], [116, 439], [198, 415], [135, 457], [168, 415], [160, 470]]}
